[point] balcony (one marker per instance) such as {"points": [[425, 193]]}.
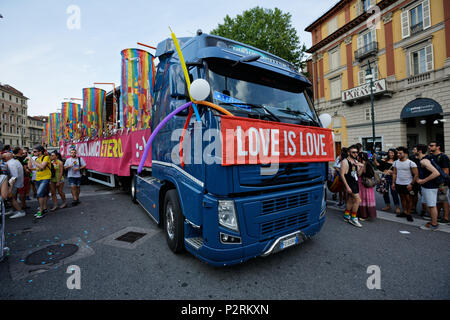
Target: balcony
{"points": [[417, 28], [369, 49]]}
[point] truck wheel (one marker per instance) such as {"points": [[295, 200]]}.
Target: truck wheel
{"points": [[133, 188], [173, 222]]}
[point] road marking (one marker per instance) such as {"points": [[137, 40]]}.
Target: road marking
{"points": [[418, 222]]}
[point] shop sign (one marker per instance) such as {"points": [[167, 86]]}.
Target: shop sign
{"points": [[364, 90]]}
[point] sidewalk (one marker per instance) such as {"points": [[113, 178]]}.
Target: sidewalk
{"points": [[418, 221]]}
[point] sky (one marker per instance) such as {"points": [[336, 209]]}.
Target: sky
{"points": [[51, 49]]}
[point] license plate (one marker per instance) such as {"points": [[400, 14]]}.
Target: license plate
{"points": [[289, 242]]}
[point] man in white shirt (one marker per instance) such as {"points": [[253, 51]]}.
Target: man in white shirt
{"points": [[15, 170], [74, 165], [404, 174]]}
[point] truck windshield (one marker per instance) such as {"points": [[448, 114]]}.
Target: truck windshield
{"points": [[257, 89]]}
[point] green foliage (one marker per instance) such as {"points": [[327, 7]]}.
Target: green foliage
{"points": [[266, 29]]}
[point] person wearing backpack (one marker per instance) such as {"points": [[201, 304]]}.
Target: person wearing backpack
{"points": [[74, 165], [443, 162], [429, 179], [43, 175], [404, 174]]}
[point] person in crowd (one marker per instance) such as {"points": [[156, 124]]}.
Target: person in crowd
{"points": [[74, 165], [386, 166], [350, 170], [442, 161], [43, 175], [22, 157], [367, 208], [403, 176], [416, 186], [16, 175], [57, 182], [33, 170], [428, 180], [337, 169], [6, 148]]}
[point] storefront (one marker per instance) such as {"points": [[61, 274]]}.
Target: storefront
{"points": [[424, 121]]}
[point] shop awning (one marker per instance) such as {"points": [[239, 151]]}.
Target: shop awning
{"points": [[420, 107]]}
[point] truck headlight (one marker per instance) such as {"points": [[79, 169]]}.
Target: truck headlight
{"points": [[227, 215]]}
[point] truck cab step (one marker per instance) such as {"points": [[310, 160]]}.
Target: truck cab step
{"points": [[197, 242]]}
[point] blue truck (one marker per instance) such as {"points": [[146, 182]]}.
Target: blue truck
{"points": [[225, 215]]}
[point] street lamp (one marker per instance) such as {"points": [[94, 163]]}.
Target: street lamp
{"points": [[369, 80]]}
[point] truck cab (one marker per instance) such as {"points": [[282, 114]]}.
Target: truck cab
{"points": [[228, 214]]}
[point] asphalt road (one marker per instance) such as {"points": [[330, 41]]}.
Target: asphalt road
{"points": [[333, 265]]}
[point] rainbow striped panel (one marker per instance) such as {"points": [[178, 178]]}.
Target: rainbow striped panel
{"points": [[94, 112], [137, 83], [70, 118], [54, 120]]}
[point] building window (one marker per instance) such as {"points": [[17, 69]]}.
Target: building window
{"points": [[416, 19], [332, 25], [368, 113], [335, 88], [334, 58], [367, 143], [422, 60]]}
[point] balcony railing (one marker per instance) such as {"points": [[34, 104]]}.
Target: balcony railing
{"points": [[417, 28], [369, 49]]}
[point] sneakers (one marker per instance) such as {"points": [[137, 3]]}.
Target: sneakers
{"points": [[363, 219], [9, 212], [347, 218], [401, 215], [18, 214], [427, 217], [75, 202], [355, 222], [429, 227], [40, 214], [443, 220], [409, 218]]}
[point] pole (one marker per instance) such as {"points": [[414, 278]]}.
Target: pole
{"points": [[373, 116]]}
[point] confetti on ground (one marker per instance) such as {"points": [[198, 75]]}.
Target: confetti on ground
{"points": [[405, 232]]}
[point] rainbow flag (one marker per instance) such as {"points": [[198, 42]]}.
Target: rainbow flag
{"points": [[94, 112], [70, 118], [54, 120], [137, 87], [45, 133]]}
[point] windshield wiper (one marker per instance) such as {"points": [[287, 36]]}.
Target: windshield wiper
{"points": [[297, 113], [269, 113]]}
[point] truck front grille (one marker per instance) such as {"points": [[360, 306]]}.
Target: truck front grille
{"points": [[282, 225], [283, 203]]}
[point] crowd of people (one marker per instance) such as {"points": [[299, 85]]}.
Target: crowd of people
{"points": [[43, 173], [357, 175]]}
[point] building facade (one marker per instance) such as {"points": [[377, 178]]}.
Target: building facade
{"points": [[407, 45], [35, 128], [13, 116]]}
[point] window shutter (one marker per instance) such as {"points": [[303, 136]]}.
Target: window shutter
{"points": [[361, 77], [374, 35], [429, 57], [405, 24], [359, 42], [426, 14], [359, 7]]}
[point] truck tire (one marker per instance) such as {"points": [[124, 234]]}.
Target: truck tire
{"points": [[173, 222], [133, 188]]}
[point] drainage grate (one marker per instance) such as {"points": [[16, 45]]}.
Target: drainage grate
{"points": [[131, 236], [51, 254]]}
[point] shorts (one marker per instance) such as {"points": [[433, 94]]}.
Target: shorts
{"points": [[74, 182], [429, 196], [442, 194], [42, 188], [26, 186], [402, 189]]}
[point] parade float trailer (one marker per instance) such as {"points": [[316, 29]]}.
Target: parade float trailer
{"points": [[237, 170]]}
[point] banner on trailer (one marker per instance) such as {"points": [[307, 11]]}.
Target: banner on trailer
{"points": [[250, 141], [114, 154]]}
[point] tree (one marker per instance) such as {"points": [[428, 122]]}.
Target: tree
{"points": [[266, 29]]}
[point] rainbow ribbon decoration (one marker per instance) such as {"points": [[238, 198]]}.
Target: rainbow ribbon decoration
{"points": [[94, 112], [137, 87], [45, 133], [54, 129], [70, 117]]}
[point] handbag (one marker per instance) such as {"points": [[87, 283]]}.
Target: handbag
{"points": [[383, 186], [371, 182]]}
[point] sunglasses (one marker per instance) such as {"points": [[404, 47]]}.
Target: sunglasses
{"points": [[354, 152]]}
